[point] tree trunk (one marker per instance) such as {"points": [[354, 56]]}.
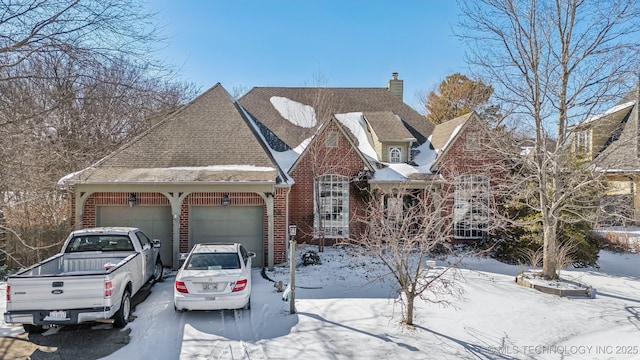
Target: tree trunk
{"points": [[409, 313], [549, 262]]}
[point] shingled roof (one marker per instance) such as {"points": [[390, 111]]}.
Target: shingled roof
{"points": [[207, 140], [445, 132], [620, 152], [326, 102], [387, 126]]}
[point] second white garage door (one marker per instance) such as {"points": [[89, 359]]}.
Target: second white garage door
{"points": [[228, 225]]}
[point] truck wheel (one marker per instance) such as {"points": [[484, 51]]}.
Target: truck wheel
{"points": [[121, 318], [33, 329], [157, 271]]}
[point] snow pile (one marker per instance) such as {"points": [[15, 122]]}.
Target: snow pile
{"points": [[297, 113]]}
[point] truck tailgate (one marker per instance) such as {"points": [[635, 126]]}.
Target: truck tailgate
{"points": [[56, 292]]}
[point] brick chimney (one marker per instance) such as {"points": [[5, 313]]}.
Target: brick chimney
{"points": [[395, 86]]}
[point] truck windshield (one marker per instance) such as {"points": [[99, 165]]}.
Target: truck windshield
{"points": [[99, 243]]}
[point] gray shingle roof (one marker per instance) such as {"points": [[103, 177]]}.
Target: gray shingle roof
{"points": [[208, 139], [328, 101], [387, 126]]}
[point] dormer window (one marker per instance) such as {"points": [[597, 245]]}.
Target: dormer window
{"points": [[395, 154]]}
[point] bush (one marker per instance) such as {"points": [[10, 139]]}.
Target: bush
{"points": [[311, 258]]}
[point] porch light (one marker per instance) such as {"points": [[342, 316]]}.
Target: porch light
{"points": [[132, 199], [225, 200]]}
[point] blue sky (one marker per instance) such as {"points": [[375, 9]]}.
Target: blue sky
{"points": [[335, 43]]}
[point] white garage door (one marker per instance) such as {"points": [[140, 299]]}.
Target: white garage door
{"points": [[229, 225], [155, 221]]}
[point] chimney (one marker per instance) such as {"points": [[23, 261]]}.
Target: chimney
{"points": [[394, 86]]}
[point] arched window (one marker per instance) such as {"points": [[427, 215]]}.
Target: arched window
{"points": [[332, 206], [395, 154], [471, 206]]}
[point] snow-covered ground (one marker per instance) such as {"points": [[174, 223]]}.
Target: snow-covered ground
{"points": [[344, 312]]}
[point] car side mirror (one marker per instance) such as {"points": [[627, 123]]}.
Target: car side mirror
{"points": [[156, 243], [251, 254]]}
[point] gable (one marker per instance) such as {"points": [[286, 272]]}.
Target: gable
{"points": [[466, 138], [329, 150], [209, 139]]}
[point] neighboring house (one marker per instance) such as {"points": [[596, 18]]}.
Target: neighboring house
{"points": [[220, 170], [611, 140]]}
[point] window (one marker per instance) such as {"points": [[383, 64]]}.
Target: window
{"points": [[471, 212], [582, 141], [395, 154], [473, 141], [331, 140], [395, 207], [332, 206]]}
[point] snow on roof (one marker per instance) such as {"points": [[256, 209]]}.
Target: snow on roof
{"points": [[610, 111], [425, 158], [395, 172], [224, 168], [297, 113], [453, 135], [355, 123]]}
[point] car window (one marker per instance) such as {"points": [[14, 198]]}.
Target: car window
{"points": [[144, 240], [213, 261], [244, 254], [99, 243]]}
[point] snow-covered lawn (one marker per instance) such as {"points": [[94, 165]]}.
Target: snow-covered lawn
{"points": [[344, 313]]}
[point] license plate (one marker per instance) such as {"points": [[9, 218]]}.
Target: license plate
{"points": [[211, 286], [60, 315]]}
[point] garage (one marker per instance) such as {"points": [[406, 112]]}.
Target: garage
{"points": [[229, 225], [155, 221]]}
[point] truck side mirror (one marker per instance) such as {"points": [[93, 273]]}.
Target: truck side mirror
{"points": [[156, 243], [251, 254]]}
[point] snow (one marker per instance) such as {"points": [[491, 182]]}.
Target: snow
{"points": [[224, 168], [347, 309], [356, 124], [425, 157], [297, 113]]}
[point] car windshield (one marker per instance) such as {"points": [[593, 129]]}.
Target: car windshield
{"points": [[213, 261]]}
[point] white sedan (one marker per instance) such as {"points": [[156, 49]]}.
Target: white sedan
{"points": [[214, 277]]}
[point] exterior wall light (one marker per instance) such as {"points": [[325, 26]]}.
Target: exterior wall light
{"points": [[132, 199]]}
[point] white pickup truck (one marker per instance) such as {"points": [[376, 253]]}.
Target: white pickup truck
{"points": [[92, 279]]}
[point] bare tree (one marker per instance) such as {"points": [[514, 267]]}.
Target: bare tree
{"points": [[554, 63], [77, 79], [405, 228]]}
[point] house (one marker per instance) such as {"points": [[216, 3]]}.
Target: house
{"points": [[221, 170], [611, 141]]}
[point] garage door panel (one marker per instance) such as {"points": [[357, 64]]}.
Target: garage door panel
{"points": [[155, 221], [229, 224]]}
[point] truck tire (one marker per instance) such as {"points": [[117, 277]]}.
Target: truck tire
{"points": [[157, 271], [121, 318], [33, 329]]}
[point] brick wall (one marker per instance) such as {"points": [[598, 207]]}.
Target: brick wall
{"points": [[201, 198], [320, 160]]}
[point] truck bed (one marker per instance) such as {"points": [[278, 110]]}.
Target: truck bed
{"points": [[76, 264]]}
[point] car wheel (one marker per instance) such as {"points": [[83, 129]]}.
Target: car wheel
{"points": [[157, 271], [34, 329], [248, 305], [122, 316]]}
